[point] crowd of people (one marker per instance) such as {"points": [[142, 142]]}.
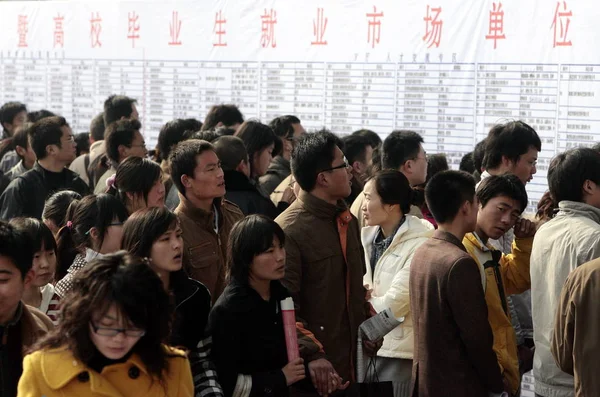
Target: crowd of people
{"points": [[126, 271]]}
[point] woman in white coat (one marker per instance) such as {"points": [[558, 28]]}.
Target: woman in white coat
{"points": [[390, 240]]}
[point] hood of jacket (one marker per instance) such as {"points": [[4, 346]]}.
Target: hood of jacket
{"points": [[412, 228]]}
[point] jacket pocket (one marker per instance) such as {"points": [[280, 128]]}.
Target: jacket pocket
{"points": [[203, 255]]}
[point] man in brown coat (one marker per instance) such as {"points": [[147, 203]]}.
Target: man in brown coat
{"points": [[577, 329], [20, 325], [453, 353], [206, 218], [325, 265]]}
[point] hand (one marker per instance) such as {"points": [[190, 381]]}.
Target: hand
{"points": [[288, 195], [524, 228], [372, 347], [320, 371], [337, 382], [294, 371]]}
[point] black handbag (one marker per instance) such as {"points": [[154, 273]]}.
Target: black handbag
{"points": [[372, 388]]}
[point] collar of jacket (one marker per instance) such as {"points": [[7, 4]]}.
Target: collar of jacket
{"points": [[235, 180], [67, 173], [475, 240], [570, 208], [206, 218], [320, 208], [32, 326], [247, 297], [279, 165], [59, 367], [183, 287], [411, 228], [448, 237]]}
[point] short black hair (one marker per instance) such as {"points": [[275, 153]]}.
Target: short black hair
{"points": [[596, 147], [37, 232], [467, 164], [116, 107], [97, 127], [9, 110], [355, 148], [82, 140], [508, 185], [37, 115], [393, 188], [248, 238], [479, 154], [231, 151], [183, 160], [15, 246], [55, 208], [283, 126], [228, 115], [446, 192], [372, 136], [174, 132], [399, 147], [256, 136], [21, 136], [511, 140], [568, 172], [210, 136], [46, 132], [121, 132], [311, 155]]}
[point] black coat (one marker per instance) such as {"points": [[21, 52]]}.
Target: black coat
{"points": [[248, 338], [26, 195], [242, 192], [192, 305]]}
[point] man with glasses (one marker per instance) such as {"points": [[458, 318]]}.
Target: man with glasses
{"points": [[123, 139], [325, 261], [288, 129], [54, 146]]}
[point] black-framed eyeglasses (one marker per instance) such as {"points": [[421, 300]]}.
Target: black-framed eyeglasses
{"points": [[344, 165], [130, 332]]}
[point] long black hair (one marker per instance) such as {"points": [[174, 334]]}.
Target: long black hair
{"points": [[146, 226], [257, 137]]}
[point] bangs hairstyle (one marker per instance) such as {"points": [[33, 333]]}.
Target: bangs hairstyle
{"points": [[135, 175], [94, 211], [138, 293], [393, 188], [39, 235], [508, 185], [146, 226], [250, 237]]}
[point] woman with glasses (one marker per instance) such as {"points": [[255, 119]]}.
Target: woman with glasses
{"points": [[93, 229], [109, 340], [154, 233], [138, 183]]}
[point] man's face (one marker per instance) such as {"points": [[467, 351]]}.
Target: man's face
{"points": [[68, 150], [525, 167], [208, 181], [12, 286], [415, 169], [19, 119], [137, 147], [498, 216], [339, 186]]}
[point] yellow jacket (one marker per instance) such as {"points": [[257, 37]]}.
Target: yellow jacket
{"points": [[56, 372], [514, 271]]}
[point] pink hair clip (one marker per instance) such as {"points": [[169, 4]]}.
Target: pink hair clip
{"points": [[110, 182], [69, 224]]}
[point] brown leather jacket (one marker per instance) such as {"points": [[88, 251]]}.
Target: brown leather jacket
{"points": [[205, 251], [328, 291]]}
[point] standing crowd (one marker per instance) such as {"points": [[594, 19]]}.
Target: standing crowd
{"points": [[133, 272]]}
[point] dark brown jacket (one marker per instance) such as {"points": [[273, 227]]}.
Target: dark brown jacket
{"points": [[205, 252], [328, 292], [453, 353]]}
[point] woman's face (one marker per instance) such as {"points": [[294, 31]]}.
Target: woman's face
{"points": [[269, 265], [52, 226], [156, 196], [261, 161], [112, 334], [44, 266], [373, 209], [167, 251], [112, 237]]}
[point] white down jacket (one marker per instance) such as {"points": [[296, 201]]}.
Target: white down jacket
{"points": [[391, 278]]}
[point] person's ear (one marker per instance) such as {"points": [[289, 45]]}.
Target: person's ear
{"points": [[589, 187], [21, 151], [123, 151], [357, 167], [29, 277], [185, 181], [322, 179], [94, 233]]}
